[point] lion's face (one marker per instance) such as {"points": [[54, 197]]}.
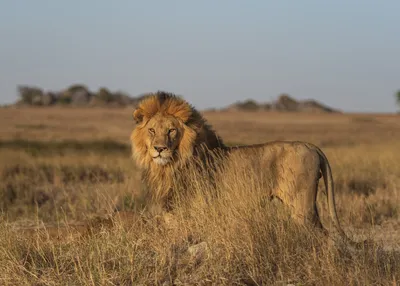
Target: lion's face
{"points": [[163, 137]]}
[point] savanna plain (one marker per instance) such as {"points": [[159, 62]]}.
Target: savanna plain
{"points": [[64, 172]]}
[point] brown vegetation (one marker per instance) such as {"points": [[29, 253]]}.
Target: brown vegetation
{"points": [[78, 95], [284, 103], [75, 95], [68, 166]]}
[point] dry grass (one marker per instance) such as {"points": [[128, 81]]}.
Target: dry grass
{"points": [[67, 166]]}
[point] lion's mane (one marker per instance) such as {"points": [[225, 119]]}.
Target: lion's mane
{"points": [[197, 136]]}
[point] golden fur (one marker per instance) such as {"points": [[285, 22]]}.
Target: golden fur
{"points": [[294, 167], [164, 112]]}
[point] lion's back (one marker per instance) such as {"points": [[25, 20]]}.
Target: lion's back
{"points": [[289, 167], [297, 154]]}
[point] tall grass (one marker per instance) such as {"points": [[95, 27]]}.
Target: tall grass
{"points": [[223, 234], [244, 239]]}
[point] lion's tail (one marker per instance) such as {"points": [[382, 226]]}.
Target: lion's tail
{"points": [[329, 186], [328, 179]]}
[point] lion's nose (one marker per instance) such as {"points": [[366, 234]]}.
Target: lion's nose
{"points": [[159, 149]]}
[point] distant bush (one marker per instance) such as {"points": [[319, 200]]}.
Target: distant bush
{"points": [[105, 95], [77, 87], [30, 95], [76, 94], [284, 103], [64, 99], [248, 105]]}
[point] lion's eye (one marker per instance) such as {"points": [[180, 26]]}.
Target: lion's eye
{"points": [[172, 131], [152, 131]]}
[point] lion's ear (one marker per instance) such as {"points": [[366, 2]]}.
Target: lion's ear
{"points": [[138, 115]]}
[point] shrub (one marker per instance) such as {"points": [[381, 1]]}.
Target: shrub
{"points": [[105, 95], [28, 94]]}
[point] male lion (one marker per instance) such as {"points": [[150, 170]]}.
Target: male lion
{"points": [[170, 133]]}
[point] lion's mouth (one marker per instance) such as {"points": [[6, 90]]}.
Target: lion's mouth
{"points": [[161, 160]]}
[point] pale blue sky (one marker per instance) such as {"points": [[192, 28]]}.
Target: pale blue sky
{"points": [[343, 53]]}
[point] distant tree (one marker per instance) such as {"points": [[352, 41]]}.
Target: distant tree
{"points": [[397, 95], [105, 95], [249, 104], [30, 94], [64, 98], [122, 98], [77, 87]]}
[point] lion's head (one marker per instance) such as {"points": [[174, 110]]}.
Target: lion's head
{"points": [[168, 131]]}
